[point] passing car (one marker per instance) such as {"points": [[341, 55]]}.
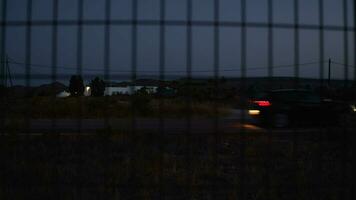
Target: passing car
{"points": [[295, 107]]}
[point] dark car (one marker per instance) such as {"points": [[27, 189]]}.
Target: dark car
{"points": [[293, 107]]}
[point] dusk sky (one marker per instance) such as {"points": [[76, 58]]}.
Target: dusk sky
{"points": [[148, 40]]}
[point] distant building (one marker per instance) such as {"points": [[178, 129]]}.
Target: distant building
{"points": [[166, 92], [151, 89], [63, 94], [112, 90], [128, 90]]}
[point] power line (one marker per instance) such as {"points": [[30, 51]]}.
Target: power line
{"points": [[168, 71], [342, 64]]}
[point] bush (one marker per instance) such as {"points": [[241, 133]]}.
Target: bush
{"points": [[141, 102]]}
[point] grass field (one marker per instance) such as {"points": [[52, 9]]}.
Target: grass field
{"points": [[115, 107], [151, 166]]}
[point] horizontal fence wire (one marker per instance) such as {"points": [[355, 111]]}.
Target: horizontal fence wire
{"points": [[178, 23]]}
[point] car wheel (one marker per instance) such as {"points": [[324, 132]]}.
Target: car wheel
{"points": [[280, 120]]}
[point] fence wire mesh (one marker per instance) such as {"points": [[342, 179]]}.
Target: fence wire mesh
{"points": [[192, 139]]}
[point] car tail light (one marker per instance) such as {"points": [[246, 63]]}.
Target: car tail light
{"points": [[263, 103]]}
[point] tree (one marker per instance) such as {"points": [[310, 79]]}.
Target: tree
{"points": [[97, 86], [76, 85]]}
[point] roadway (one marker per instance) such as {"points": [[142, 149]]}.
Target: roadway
{"points": [[235, 123]]}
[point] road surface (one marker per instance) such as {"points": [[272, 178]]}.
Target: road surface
{"points": [[234, 123]]}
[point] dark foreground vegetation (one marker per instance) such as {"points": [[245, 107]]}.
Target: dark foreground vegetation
{"points": [[149, 165], [112, 107], [197, 97]]}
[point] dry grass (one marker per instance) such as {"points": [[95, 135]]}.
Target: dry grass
{"points": [[147, 165], [114, 107]]}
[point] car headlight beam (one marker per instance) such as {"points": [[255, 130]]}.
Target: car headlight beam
{"points": [[353, 107], [254, 112]]}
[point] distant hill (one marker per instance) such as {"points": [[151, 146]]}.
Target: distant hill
{"points": [[51, 89], [138, 82], [287, 82], [272, 83], [259, 83]]}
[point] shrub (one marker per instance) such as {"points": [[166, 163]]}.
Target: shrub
{"points": [[141, 101]]}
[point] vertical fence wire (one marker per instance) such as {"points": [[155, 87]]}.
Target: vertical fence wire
{"points": [[297, 185], [2, 55], [321, 41], [270, 38], [107, 58], [54, 60], [29, 42], [54, 71], [344, 148], [345, 42], [354, 36], [3, 98], [296, 42], [243, 68], [162, 64], [28, 58], [216, 48], [318, 158], [188, 95], [353, 164], [270, 53], [107, 80], [79, 69], [134, 32]]}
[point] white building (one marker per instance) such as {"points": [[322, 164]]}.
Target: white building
{"points": [[114, 90], [151, 89], [128, 90], [63, 94]]}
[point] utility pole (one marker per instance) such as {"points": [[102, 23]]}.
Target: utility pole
{"points": [[5, 74], [8, 70], [2, 70], [329, 76]]}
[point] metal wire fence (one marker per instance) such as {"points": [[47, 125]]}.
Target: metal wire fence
{"points": [[236, 164]]}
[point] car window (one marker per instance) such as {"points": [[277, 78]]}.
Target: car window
{"points": [[296, 96], [310, 98]]}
